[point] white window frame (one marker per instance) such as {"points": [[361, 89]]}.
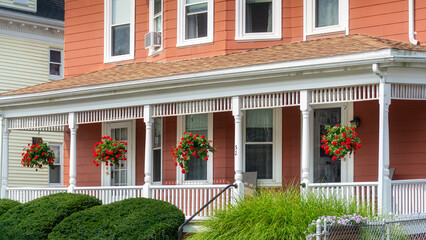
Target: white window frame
{"points": [[108, 58], [61, 163], [161, 151], [155, 51], [309, 20], [240, 23], [131, 151], [181, 27], [61, 68], [180, 178], [347, 166], [277, 158], [21, 2]]}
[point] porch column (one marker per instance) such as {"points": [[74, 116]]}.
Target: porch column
{"points": [[4, 156], [305, 108], [73, 151], [384, 191], [147, 117], [238, 148]]}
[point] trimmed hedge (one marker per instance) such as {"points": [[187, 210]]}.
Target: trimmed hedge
{"points": [[36, 219], [6, 204], [136, 218]]}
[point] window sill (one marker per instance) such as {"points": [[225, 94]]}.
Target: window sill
{"points": [[258, 37], [326, 31], [194, 42], [121, 58], [54, 77], [155, 52]]}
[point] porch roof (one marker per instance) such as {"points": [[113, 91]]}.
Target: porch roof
{"points": [[321, 48]]}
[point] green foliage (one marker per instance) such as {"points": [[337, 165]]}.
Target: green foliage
{"points": [[109, 151], [6, 204], [273, 214], [137, 218], [340, 141], [38, 155], [36, 219]]}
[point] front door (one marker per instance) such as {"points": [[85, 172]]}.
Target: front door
{"points": [[325, 169]]}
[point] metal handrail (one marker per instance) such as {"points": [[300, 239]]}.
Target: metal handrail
{"points": [[202, 208]]}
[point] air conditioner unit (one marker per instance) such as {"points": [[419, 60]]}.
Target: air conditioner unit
{"points": [[153, 40]]}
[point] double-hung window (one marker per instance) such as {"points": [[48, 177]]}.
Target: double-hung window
{"points": [[119, 30], [195, 22], [262, 145], [258, 20], [55, 64], [326, 17], [157, 152], [155, 27], [55, 174]]}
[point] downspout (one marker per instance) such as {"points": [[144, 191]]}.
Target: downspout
{"points": [[376, 69], [411, 32]]}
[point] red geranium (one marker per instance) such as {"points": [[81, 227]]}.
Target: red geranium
{"points": [[340, 141], [109, 151], [38, 155]]}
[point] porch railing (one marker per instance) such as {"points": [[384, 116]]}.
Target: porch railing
{"points": [[26, 194], [111, 194], [409, 196], [363, 193]]}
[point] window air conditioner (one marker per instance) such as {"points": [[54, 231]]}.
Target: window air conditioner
{"points": [[153, 40]]}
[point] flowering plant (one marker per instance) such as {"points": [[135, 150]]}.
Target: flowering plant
{"points": [[345, 220], [340, 141], [38, 155], [191, 145], [109, 151]]}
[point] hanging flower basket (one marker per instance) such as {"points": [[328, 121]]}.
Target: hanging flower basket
{"points": [[109, 151], [37, 156], [191, 145], [340, 141]]}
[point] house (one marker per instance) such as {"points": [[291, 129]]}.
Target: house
{"points": [[259, 78], [31, 52]]}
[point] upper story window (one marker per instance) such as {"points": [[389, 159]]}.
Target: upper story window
{"points": [[326, 17], [195, 22], [154, 39], [55, 64], [258, 20], [119, 30]]}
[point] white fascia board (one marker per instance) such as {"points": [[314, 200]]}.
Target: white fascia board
{"points": [[30, 19], [57, 41]]}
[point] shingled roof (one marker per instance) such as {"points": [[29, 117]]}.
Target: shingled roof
{"points": [[280, 53]]}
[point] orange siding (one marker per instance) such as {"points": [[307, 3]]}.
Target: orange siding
{"points": [[223, 134], [291, 144], [140, 152]]}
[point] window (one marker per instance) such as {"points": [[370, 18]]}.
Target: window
{"points": [[119, 30], [258, 20], [155, 26], [326, 17], [55, 175], [195, 22], [55, 64], [157, 146], [262, 145]]}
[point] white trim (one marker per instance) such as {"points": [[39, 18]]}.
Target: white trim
{"points": [[240, 23], [277, 158], [155, 51], [180, 178], [181, 41], [108, 58], [309, 17], [61, 68], [131, 150], [29, 33], [31, 20], [61, 164]]}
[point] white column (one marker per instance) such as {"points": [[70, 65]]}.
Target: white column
{"points": [[73, 151], [305, 108], [4, 157], [238, 148], [147, 117], [384, 201]]}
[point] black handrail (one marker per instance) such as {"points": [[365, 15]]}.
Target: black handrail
{"points": [[201, 209]]}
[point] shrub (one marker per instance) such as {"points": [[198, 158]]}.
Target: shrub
{"points": [[137, 218], [273, 214], [6, 204], [36, 219]]}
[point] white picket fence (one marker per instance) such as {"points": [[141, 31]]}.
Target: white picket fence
{"points": [[409, 196]]}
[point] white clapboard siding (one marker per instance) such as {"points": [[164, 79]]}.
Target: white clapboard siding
{"points": [[31, 5], [22, 63], [23, 176]]}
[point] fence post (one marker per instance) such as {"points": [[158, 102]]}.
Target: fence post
{"points": [[388, 231], [319, 229]]}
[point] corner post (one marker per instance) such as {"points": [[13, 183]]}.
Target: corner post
{"points": [[147, 117], [238, 148], [72, 124], [305, 108], [4, 156]]}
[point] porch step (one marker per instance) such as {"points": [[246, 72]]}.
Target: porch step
{"points": [[194, 226]]}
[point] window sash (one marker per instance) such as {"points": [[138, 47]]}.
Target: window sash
{"points": [[197, 124], [55, 175]]}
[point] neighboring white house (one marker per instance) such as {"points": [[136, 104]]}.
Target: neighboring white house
{"points": [[31, 52]]}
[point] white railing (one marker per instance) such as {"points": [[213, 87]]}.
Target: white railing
{"points": [[409, 196], [271, 100], [190, 198], [111, 194], [26, 194], [345, 94], [192, 107], [363, 193], [408, 91]]}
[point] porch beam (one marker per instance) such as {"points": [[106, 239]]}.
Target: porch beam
{"points": [[147, 112], [305, 108], [73, 151], [4, 156], [238, 149]]}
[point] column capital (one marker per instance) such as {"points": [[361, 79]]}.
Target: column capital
{"points": [[305, 100], [236, 106], [147, 114]]}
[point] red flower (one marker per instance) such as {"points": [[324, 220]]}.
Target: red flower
{"points": [[334, 158], [353, 128], [337, 152], [176, 164], [193, 154], [203, 136], [344, 135], [183, 170], [206, 158], [336, 137], [334, 143], [190, 134], [343, 143]]}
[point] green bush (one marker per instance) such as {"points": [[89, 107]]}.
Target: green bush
{"points": [[137, 218], [6, 204], [36, 219], [273, 214]]}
